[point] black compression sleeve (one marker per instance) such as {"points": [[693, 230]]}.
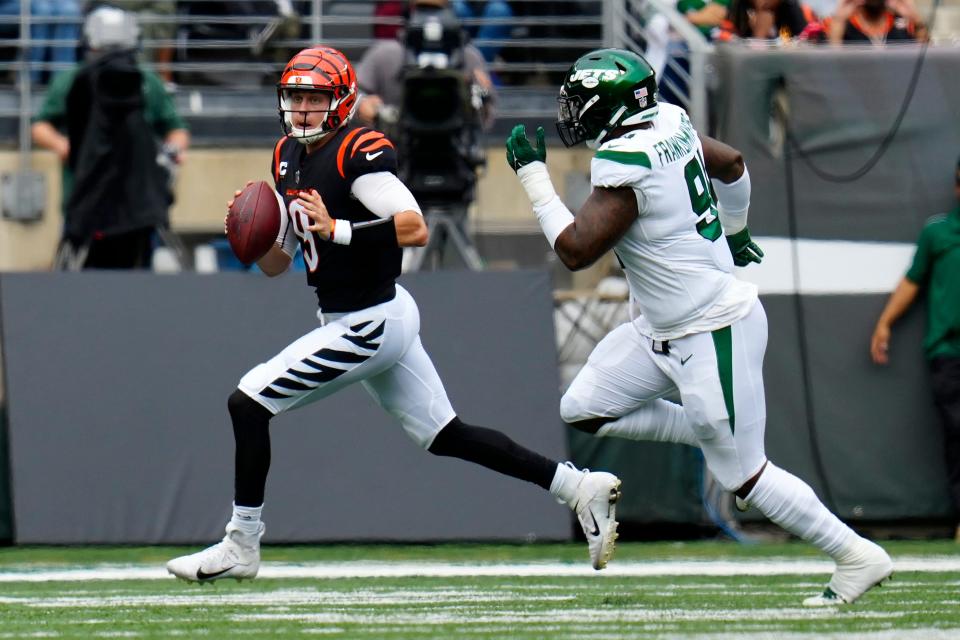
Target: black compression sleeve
{"points": [[376, 233], [493, 450], [251, 430]]}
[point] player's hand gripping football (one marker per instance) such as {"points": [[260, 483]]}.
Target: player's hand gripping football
{"points": [[744, 249], [313, 206], [236, 194], [519, 150]]}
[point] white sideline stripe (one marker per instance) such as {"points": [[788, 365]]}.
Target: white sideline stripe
{"points": [[828, 267], [335, 570]]}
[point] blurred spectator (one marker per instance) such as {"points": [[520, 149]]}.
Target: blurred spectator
{"points": [[709, 16], [253, 24], [875, 21], [116, 177], [158, 18], [56, 21], [823, 7], [488, 10], [771, 19], [705, 15], [936, 272], [380, 76], [388, 9]]}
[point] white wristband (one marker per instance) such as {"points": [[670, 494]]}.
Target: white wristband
{"points": [[554, 217], [341, 232], [536, 182], [734, 202]]}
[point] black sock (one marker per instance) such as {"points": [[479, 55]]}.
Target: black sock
{"points": [[493, 450], [251, 431]]}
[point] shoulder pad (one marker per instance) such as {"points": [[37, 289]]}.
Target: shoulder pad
{"points": [[365, 150], [276, 158], [629, 149]]}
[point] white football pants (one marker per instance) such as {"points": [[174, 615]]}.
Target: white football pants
{"points": [[379, 347], [717, 376]]}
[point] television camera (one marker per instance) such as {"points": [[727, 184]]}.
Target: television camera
{"points": [[438, 129]]}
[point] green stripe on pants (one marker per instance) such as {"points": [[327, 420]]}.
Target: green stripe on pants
{"points": [[723, 344]]}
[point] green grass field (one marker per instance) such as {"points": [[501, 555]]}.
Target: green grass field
{"points": [[661, 590]]}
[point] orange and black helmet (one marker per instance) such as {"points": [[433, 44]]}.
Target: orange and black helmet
{"points": [[318, 69]]}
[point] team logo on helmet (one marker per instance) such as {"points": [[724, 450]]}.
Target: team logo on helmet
{"points": [[604, 90], [591, 78]]}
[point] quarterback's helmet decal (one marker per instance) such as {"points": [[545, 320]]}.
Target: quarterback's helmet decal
{"points": [[603, 90]]}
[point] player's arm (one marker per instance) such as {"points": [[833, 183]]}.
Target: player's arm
{"points": [[601, 221], [723, 162], [598, 225], [900, 300], [275, 261], [411, 229], [731, 183], [399, 221]]}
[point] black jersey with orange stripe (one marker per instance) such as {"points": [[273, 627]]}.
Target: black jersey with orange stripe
{"points": [[345, 277]]}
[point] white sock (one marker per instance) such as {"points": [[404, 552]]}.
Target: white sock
{"points": [[659, 420], [247, 519], [565, 482], [791, 503]]}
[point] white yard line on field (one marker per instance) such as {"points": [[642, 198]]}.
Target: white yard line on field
{"points": [[362, 569]]}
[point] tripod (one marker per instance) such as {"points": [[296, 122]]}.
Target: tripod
{"points": [[73, 257], [445, 222]]}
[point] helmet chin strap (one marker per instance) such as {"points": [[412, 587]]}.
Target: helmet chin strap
{"points": [[611, 125]]}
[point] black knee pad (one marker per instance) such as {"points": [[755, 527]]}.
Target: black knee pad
{"points": [[243, 408], [590, 425], [447, 439]]}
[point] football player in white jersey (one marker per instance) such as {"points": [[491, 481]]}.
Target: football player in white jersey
{"points": [[672, 205]]}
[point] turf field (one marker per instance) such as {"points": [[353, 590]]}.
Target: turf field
{"points": [[662, 590]]}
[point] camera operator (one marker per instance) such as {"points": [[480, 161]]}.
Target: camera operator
{"points": [[381, 74], [430, 91], [119, 138]]}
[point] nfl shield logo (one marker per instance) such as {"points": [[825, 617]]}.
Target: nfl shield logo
{"points": [[641, 96]]}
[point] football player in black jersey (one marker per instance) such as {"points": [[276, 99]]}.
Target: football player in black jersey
{"points": [[351, 216]]}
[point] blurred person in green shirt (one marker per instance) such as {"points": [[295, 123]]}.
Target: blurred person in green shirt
{"points": [[935, 271], [119, 137], [705, 16]]}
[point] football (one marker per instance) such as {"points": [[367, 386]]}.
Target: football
{"points": [[253, 222]]}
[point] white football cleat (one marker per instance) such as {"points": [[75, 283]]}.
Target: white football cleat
{"points": [[237, 556], [865, 567], [595, 503]]}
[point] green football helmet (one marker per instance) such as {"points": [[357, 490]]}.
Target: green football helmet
{"points": [[605, 89]]}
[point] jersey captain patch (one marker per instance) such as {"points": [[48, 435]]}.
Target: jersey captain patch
{"points": [[346, 278]]}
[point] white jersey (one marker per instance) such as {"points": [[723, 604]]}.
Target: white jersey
{"points": [[677, 264]]}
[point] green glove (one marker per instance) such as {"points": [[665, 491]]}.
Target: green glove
{"points": [[744, 249], [519, 151]]}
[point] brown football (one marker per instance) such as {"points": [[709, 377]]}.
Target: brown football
{"points": [[253, 222]]}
